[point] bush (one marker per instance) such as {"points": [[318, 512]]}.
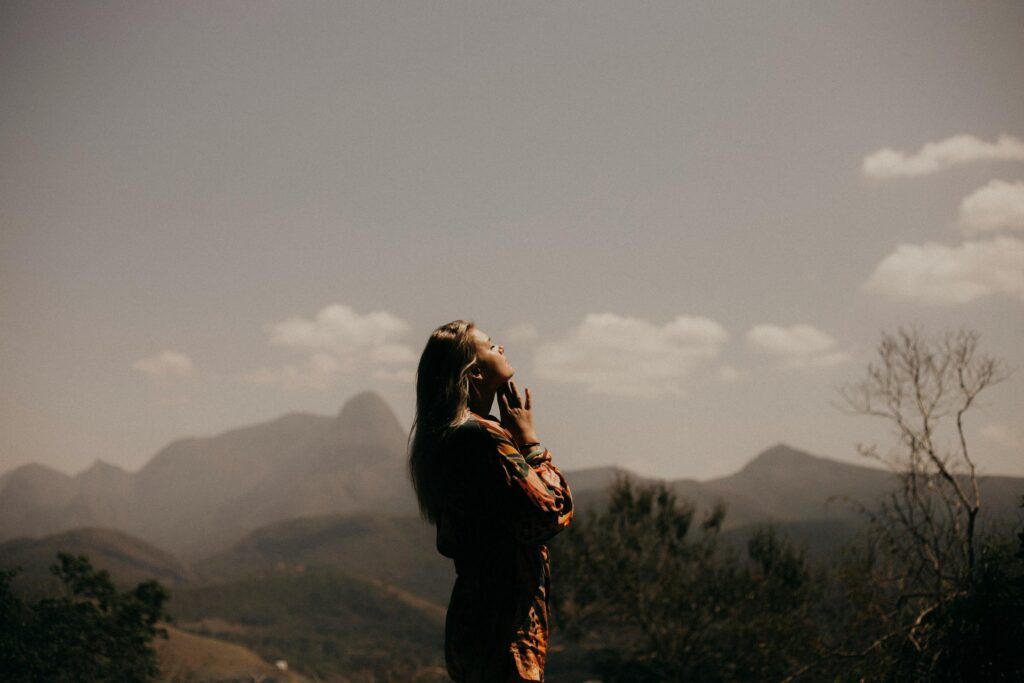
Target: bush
{"points": [[91, 633], [653, 597]]}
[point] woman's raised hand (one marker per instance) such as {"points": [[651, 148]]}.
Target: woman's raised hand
{"points": [[516, 415]]}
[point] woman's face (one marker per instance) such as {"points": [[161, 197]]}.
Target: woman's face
{"points": [[490, 359]]}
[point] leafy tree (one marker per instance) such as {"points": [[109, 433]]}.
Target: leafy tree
{"points": [[90, 633], [654, 597]]}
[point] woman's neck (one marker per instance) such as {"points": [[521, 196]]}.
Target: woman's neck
{"points": [[480, 403]]}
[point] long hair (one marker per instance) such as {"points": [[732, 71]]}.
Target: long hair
{"points": [[442, 399]]}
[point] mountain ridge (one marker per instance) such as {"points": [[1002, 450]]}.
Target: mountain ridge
{"points": [[199, 495]]}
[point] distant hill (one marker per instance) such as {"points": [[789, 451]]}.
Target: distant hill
{"points": [[784, 485], [198, 495], [129, 560], [33, 500], [780, 484]]}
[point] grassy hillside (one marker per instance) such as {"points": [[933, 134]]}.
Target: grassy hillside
{"points": [[397, 550], [326, 624], [129, 560], [189, 658]]}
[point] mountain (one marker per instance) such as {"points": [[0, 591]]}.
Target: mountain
{"points": [[780, 484], [367, 423], [199, 495], [784, 485], [180, 492], [103, 493], [357, 465]]}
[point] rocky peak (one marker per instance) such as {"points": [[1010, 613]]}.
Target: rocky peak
{"points": [[103, 478], [781, 455], [367, 420], [101, 470]]}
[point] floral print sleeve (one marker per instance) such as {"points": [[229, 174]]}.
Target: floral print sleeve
{"points": [[539, 503]]}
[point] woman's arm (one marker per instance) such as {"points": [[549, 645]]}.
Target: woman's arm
{"points": [[533, 502]]}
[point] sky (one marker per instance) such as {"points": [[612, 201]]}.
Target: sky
{"points": [[688, 223]]}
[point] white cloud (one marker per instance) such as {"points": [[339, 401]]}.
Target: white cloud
{"points": [[797, 346], [936, 274], [165, 364], [340, 342], [319, 371], [997, 205], [939, 156], [338, 329], [616, 355]]}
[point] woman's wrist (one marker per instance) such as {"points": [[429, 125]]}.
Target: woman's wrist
{"points": [[529, 440], [535, 454]]}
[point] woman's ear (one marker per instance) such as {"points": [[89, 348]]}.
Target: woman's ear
{"points": [[475, 372]]}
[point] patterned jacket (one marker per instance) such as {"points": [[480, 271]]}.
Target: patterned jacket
{"points": [[499, 507]]}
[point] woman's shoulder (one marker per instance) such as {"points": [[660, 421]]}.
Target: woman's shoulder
{"points": [[476, 426], [469, 428], [490, 424]]}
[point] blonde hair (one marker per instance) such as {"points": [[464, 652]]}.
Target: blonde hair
{"points": [[442, 401]]}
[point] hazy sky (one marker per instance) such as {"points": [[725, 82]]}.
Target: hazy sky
{"points": [[687, 222]]}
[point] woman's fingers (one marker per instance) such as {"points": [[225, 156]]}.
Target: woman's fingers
{"points": [[527, 405], [514, 401]]}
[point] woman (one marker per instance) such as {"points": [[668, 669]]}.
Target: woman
{"points": [[495, 497]]}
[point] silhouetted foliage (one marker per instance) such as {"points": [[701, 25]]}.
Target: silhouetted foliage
{"points": [[651, 596], [980, 632], [655, 597], [91, 633], [1020, 538]]}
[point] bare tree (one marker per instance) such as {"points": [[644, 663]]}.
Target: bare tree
{"points": [[923, 387]]}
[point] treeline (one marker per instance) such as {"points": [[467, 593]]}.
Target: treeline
{"points": [[652, 593]]}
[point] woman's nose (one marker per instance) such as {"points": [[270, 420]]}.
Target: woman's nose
{"points": [[501, 350]]}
